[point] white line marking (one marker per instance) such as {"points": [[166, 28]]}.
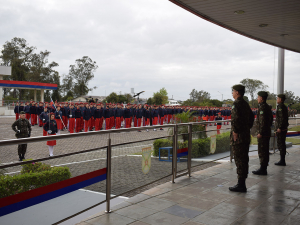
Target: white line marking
{"points": [[82, 161], [100, 193], [12, 172]]}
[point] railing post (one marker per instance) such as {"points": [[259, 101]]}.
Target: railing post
{"points": [[174, 159], [189, 161], [274, 143], [108, 176], [231, 153]]}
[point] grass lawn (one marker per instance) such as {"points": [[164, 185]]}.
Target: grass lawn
{"points": [[296, 128], [295, 141]]}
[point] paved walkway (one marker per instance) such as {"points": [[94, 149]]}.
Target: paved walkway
{"points": [[205, 199]]}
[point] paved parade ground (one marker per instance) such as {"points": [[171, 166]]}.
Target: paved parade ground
{"points": [[164, 203], [204, 199], [124, 177]]}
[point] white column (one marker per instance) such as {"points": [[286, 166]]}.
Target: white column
{"points": [[280, 77], [1, 91], [42, 95], [34, 95]]}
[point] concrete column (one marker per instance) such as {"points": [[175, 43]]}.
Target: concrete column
{"points": [[280, 76], [34, 95], [1, 91], [42, 95]]}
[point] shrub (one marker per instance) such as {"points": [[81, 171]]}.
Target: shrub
{"points": [[223, 142], [35, 167], [161, 143], [11, 185], [200, 147]]}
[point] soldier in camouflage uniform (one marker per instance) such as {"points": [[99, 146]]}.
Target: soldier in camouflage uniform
{"points": [[264, 123], [23, 130], [281, 126], [241, 122]]}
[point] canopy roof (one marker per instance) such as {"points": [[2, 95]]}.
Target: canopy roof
{"points": [[27, 85], [275, 22]]}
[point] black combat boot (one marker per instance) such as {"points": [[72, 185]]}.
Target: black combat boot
{"points": [[261, 171], [23, 156], [240, 186], [20, 157], [281, 161]]}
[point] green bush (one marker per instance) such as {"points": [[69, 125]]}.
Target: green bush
{"points": [[11, 185], [223, 142], [34, 167], [161, 143], [200, 147]]}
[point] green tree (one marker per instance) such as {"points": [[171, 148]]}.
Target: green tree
{"points": [[122, 98], [216, 102], [69, 96], [199, 96], [150, 101], [160, 97], [252, 86], [67, 85], [26, 65], [112, 98], [129, 98], [81, 74], [56, 94], [290, 97]]}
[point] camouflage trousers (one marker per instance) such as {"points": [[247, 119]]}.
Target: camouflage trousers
{"points": [[263, 150], [281, 142], [22, 149], [241, 159]]}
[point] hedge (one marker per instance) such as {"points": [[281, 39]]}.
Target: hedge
{"points": [[35, 167], [200, 147], [11, 185]]}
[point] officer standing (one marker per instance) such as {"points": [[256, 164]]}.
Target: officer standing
{"points": [[281, 126], [241, 123], [23, 130], [264, 123]]}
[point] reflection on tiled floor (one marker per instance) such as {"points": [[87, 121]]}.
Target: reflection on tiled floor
{"points": [[205, 199]]}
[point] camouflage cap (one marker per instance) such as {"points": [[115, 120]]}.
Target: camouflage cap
{"points": [[238, 87], [22, 112], [262, 94], [281, 96]]}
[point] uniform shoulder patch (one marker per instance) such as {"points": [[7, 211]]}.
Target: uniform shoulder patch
{"points": [[232, 107], [261, 112], [279, 109]]}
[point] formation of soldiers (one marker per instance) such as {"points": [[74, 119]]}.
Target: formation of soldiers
{"points": [[79, 117]]}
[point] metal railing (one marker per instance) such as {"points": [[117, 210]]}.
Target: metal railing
{"points": [[109, 146]]}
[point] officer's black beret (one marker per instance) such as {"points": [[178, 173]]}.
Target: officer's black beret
{"points": [[262, 94], [22, 112], [239, 87], [281, 96]]}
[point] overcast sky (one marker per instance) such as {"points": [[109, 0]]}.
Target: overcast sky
{"points": [[145, 45]]}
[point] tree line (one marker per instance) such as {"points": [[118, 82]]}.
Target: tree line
{"points": [[29, 65]]}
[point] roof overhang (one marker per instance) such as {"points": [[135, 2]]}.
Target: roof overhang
{"points": [[27, 85], [270, 21]]}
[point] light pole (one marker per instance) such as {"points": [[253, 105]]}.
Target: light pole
{"points": [[222, 95]]}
